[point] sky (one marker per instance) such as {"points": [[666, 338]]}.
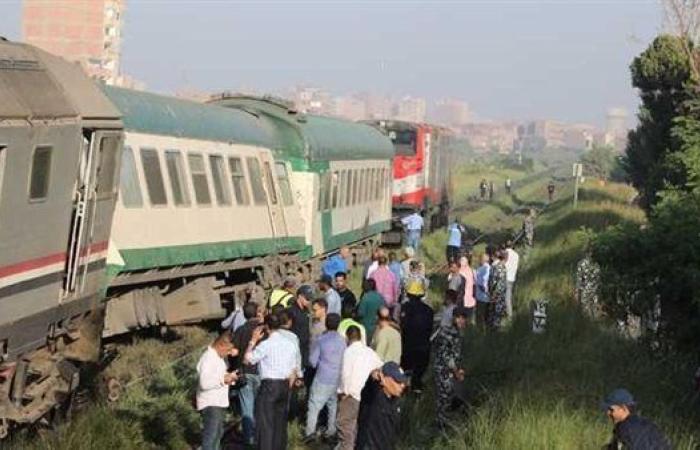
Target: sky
{"points": [[559, 59]]}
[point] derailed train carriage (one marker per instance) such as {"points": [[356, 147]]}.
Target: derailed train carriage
{"points": [[59, 145], [218, 204]]}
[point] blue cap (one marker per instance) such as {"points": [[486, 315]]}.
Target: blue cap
{"points": [[391, 369], [620, 397]]}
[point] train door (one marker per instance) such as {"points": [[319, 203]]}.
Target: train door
{"points": [[275, 205], [93, 205]]}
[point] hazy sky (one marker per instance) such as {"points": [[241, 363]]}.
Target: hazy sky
{"points": [[509, 59]]}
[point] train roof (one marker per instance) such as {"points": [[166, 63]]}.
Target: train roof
{"points": [[158, 114], [315, 138], [35, 84]]}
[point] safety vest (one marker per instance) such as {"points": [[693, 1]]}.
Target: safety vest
{"points": [[279, 296]]}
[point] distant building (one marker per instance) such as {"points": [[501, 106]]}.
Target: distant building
{"points": [[349, 107], [490, 136], [313, 100], [537, 135], [377, 106], [411, 109], [450, 112], [86, 31]]}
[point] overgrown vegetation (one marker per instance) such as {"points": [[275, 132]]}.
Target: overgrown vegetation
{"points": [[531, 391]]}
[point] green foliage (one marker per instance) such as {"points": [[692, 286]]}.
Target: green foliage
{"points": [[599, 162], [662, 153], [666, 266], [531, 391]]}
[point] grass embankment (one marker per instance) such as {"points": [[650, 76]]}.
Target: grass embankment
{"points": [[542, 391]]}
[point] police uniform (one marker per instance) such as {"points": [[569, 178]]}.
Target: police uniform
{"points": [[448, 357], [588, 284], [498, 284]]}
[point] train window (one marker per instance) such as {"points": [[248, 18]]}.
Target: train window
{"points": [[343, 188], [356, 187], [3, 152], [270, 183], [348, 189], [218, 175], [109, 149], [178, 183], [129, 186], [256, 183], [283, 181], [335, 186], [371, 189], [154, 177], [404, 142], [199, 179], [40, 174], [365, 185], [240, 187], [322, 191]]}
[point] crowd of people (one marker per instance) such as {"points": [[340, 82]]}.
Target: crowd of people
{"points": [[334, 361], [339, 363]]}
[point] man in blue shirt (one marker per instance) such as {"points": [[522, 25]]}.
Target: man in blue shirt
{"points": [[414, 226], [337, 263], [482, 290], [454, 240], [327, 358]]}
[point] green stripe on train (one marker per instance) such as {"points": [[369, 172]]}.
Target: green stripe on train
{"points": [[140, 259]]}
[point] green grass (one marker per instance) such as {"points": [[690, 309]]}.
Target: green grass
{"points": [[542, 391]]}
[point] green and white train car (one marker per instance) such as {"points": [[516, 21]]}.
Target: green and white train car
{"points": [[341, 173], [217, 204]]}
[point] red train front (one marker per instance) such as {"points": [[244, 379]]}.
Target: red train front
{"points": [[421, 169]]}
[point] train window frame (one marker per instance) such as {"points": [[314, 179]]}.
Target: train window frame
{"points": [[335, 187], [218, 177], [146, 172], [348, 189], [371, 186], [270, 182], [284, 183], [378, 191], [46, 183], [356, 187], [321, 191], [180, 176], [363, 193], [343, 187], [256, 183], [239, 181], [106, 183], [205, 200], [128, 196], [3, 158]]}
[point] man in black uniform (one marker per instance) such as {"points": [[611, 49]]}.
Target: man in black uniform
{"points": [[631, 432], [381, 429], [417, 326]]}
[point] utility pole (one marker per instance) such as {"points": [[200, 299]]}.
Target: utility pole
{"points": [[577, 172]]}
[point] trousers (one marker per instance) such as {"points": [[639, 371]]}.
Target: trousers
{"points": [[322, 395], [271, 414], [348, 411], [413, 239], [213, 427], [246, 397], [509, 299]]}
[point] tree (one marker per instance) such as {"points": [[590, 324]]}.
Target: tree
{"points": [[599, 162], [655, 150]]}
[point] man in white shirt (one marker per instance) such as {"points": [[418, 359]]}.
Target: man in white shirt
{"points": [[278, 363], [512, 261], [325, 285], [359, 361], [212, 389], [413, 225]]}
